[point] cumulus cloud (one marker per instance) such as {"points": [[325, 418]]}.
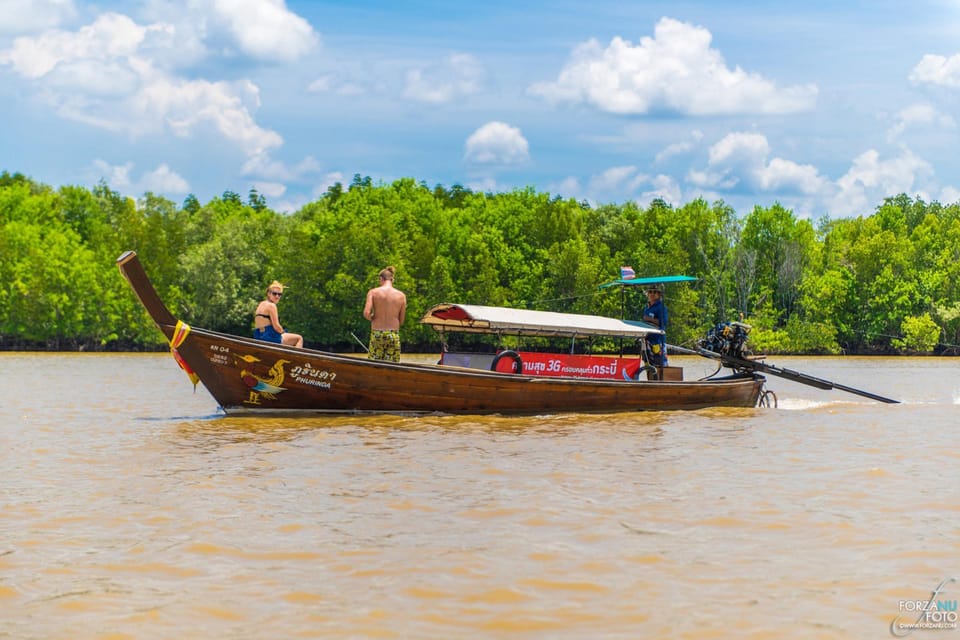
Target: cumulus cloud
{"points": [[497, 143], [270, 189], [110, 37], [618, 184], [937, 70], [159, 180], [97, 75], [187, 107], [785, 175], [293, 200], [742, 157], [266, 29], [675, 71], [87, 83], [679, 148], [164, 180], [452, 78], [920, 115], [27, 16], [742, 162], [458, 75], [708, 179], [569, 187], [740, 149], [622, 179], [328, 180], [950, 195], [486, 184], [336, 84], [117, 176], [267, 168], [663, 187], [871, 178]]}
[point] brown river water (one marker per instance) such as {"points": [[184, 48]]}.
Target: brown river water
{"points": [[131, 508]]}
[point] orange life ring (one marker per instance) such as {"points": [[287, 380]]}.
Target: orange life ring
{"points": [[513, 355]]}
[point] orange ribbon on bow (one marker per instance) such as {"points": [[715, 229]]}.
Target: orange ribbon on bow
{"points": [[179, 335]]}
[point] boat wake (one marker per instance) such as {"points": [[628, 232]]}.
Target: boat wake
{"points": [[806, 404]]}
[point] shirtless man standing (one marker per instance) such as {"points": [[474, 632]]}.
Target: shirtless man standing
{"points": [[386, 309]]}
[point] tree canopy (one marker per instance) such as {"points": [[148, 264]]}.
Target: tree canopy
{"points": [[887, 281]]}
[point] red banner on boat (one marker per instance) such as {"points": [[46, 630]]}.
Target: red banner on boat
{"points": [[573, 365]]}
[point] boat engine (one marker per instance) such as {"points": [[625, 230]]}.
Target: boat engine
{"points": [[727, 339]]}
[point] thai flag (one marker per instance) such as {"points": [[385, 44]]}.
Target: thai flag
{"points": [[627, 272]]}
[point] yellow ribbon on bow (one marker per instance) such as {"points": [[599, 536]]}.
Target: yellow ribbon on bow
{"points": [[179, 335]]}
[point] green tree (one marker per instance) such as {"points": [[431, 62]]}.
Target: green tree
{"points": [[920, 334]]}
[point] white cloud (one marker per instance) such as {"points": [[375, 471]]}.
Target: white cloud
{"points": [[88, 81], [950, 195], [742, 161], [663, 187], [97, 76], [270, 189], [458, 75], [740, 149], [568, 187], [266, 29], [161, 180], [113, 73], [117, 176], [487, 185], [328, 180], [674, 71], [937, 70], [497, 143], [333, 83], [895, 176], [785, 175], [744, 157], [679, 148], [267, 168], [618, 184], [707, 179], [452, 78], [164, 180], [289, 204], [186, 107], [623, 179], [110, 37], [870, 179], [26, 16], [920, 115]]}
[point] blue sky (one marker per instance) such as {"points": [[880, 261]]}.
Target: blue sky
{"points": [[825, 107]]}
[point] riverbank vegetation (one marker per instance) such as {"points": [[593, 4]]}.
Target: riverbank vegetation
{"points": [[887, 281]]}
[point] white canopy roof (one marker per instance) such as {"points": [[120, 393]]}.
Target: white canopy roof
{"points": [[479, 319]]}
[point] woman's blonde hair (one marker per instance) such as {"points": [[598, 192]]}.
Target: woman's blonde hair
{"points": [[275, 285]]}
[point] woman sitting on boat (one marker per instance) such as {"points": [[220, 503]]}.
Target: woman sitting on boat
{"points": [[266, 320]]}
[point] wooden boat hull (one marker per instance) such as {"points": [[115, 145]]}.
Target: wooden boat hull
{"points": [[251, 376]]}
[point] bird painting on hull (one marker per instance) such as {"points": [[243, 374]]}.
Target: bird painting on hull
{"points": [[269, 385]]}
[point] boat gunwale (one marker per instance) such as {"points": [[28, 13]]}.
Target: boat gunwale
{"points": [[441, 369]]}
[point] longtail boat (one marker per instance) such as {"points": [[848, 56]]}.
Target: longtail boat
{"points": [[248, 376]]}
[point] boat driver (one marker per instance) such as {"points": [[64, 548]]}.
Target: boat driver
{"points": [[655, 313]]}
